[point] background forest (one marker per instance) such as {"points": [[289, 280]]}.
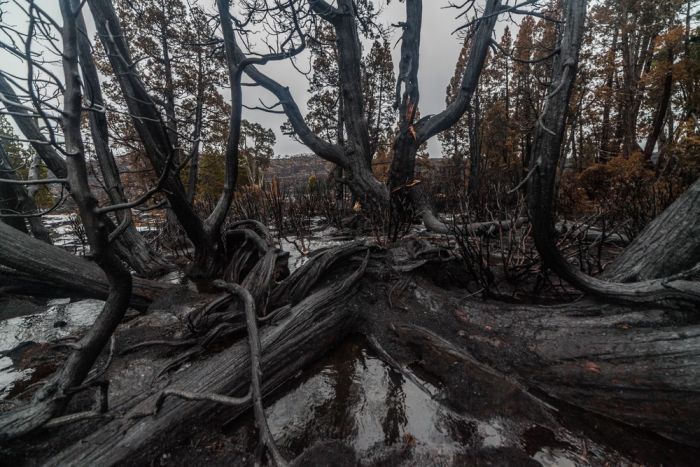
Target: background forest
{"points": [[631, 146]]}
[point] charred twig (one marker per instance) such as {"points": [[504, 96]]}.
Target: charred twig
{"points": [[264, 435]]}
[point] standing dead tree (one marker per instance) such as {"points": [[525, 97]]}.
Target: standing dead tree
{"points": [[355, 156], [210, 255], [52, 398]]}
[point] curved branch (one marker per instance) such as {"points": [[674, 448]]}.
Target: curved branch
{"points": [[265, 437], [470, 79]]}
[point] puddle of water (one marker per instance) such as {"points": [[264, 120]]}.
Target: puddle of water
{"points": [[365, 404], [61, 319], [353, 397], [9, 376]]}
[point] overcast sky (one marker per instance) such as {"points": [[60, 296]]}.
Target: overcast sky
{"points": [[439, 52]]}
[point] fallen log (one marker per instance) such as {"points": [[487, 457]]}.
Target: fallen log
{"points": [[310, 329], [641, 368], [670, 244], [44, 269], [638, 367]]}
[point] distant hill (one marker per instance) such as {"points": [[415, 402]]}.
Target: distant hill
{"points": [[296, 169]]}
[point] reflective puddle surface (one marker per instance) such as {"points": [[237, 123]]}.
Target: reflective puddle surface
{"points": [[353, 397], [61, 319]]}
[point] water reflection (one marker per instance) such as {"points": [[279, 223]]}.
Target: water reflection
{"points": [[19, 334], [395, 420], [352, 396]]}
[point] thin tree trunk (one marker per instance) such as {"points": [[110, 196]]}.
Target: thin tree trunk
{"points": [[54, 395], [662, 110], [132, 246]]}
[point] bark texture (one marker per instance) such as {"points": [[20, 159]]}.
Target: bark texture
{"points": [[309, 329], [669, 245], [50, 266]]}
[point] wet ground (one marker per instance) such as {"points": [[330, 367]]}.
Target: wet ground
{"points": [[31, 326], [372, 413], [357, 401]]}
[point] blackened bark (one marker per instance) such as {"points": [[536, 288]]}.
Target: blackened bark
{"points": [[406, 145], [54, 395], [147, 120], [669, 245], [311, 327], [133, 247], [413, 134], [51, 267]]}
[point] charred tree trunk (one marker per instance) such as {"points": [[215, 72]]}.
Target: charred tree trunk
{"points": [[638, 367], [54, 395], [133, 247], [669, 245], [205, 235], [606, 359], [44, 267], [412, 134], [311, 327], [154, 135], [357, 142], [193, 174]]}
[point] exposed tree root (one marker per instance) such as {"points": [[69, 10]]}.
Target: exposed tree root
{"points": [[264, 435]]}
